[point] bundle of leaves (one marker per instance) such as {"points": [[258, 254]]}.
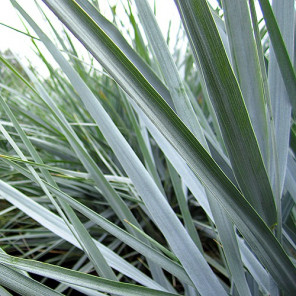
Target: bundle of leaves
{"points": [[149, 166]]}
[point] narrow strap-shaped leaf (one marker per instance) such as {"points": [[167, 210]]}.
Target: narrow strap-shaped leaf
{"points": [[21, 284], [254, 267], [189, 178], [290, 183], [4, 292], [147, 154], [78, 278], [141, 247], [228, 102], [281, 106], [280, 51], [79, 230], [115, 200], [245, 61], [280, 103], [230, 247], [183, 204]]}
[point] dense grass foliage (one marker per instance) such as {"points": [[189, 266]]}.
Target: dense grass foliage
{"points": [[145, 164]]}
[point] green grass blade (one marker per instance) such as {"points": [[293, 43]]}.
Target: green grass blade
{"points": [[19, 31], [183, 204], [125, 237], [68, 101], [290, 176], [280, 51], [281, 106], [145, 149], [189, 179], [21, 284], [78, 278], [259, 273], [198, 28], [4, 292], [246, 65], [90, 248]]}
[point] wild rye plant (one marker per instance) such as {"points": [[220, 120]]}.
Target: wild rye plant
{"points": [[133, 179]]}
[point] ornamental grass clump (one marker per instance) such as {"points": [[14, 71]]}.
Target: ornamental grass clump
{"points": [[142, 167]]}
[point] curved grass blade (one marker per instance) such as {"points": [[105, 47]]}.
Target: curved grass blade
{"points": [[21, 284], [4, 292], [77, 278], [280, 50], [245, 62], [24, 33], [281, 106]]}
